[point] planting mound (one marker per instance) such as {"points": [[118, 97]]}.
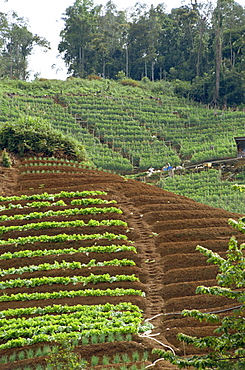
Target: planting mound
{"points": [[80, 238]]}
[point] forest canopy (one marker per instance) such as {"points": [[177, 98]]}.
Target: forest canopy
{"points": [[199, 47], [196, 43]]}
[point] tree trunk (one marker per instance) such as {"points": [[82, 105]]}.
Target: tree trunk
{"points": [[103, 72], [126, 50], [218, 53], [145, 69], [152, 71]]}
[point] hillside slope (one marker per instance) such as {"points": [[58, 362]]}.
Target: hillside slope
{"points": [[165, 229], [129, 129]]}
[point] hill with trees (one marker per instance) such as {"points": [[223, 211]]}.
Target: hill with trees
{"points": [[199, 46]]}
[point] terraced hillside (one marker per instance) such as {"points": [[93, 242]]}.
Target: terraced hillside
{"points": [[129, 129], [88, 255]]}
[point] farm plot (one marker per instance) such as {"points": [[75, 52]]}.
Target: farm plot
{"points": [[124, 129], [69, 271], [152, 132], [94, 242]]}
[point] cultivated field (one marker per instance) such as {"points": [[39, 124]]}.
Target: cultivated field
{"points": [[89, 255]]}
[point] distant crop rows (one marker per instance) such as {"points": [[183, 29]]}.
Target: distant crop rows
{"points": [[206, 187], [120, 133]]}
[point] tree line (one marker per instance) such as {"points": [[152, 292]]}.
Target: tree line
{"points": [[199, 44], [199, 47]]}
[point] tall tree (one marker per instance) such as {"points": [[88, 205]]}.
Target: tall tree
{"points": [[17, 43], [218, 29], [179, 42], [233, 34], [144, 33], [202, 36], [108, 40], [80, 21]]}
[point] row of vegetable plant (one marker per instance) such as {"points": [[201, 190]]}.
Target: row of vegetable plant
{"points": [[114, 248], [59, 203], [63, 224], [52, 197], [63, 237], [65, 265], [65, 280], [58, 309], [117, 292]]}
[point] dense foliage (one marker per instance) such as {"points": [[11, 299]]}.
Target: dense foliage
{"points": [[31, 135], [195, 43]]}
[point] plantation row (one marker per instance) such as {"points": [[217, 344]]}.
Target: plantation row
{"points": [[65, 280], [54, 224], [66, 212], [58, 309], [52, 197], [75, 202], [62, 238], [117, 292], [50, 252], [64, 265], [118, 358]]}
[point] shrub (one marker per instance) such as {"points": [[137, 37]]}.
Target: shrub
{"points": [[130, 82], [30, 134], [94, 77], [6, 161]]}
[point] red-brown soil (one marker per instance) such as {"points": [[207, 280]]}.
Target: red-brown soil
{"points": [[165, 228]]}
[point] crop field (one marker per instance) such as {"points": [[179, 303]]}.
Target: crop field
{"points": [[88, 256], [207, 187], [128, 129], [69, 271], [124, 127]]}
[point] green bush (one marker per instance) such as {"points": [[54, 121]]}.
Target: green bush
{"points": [[29, 134], [6, 161], [130, 82]]}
